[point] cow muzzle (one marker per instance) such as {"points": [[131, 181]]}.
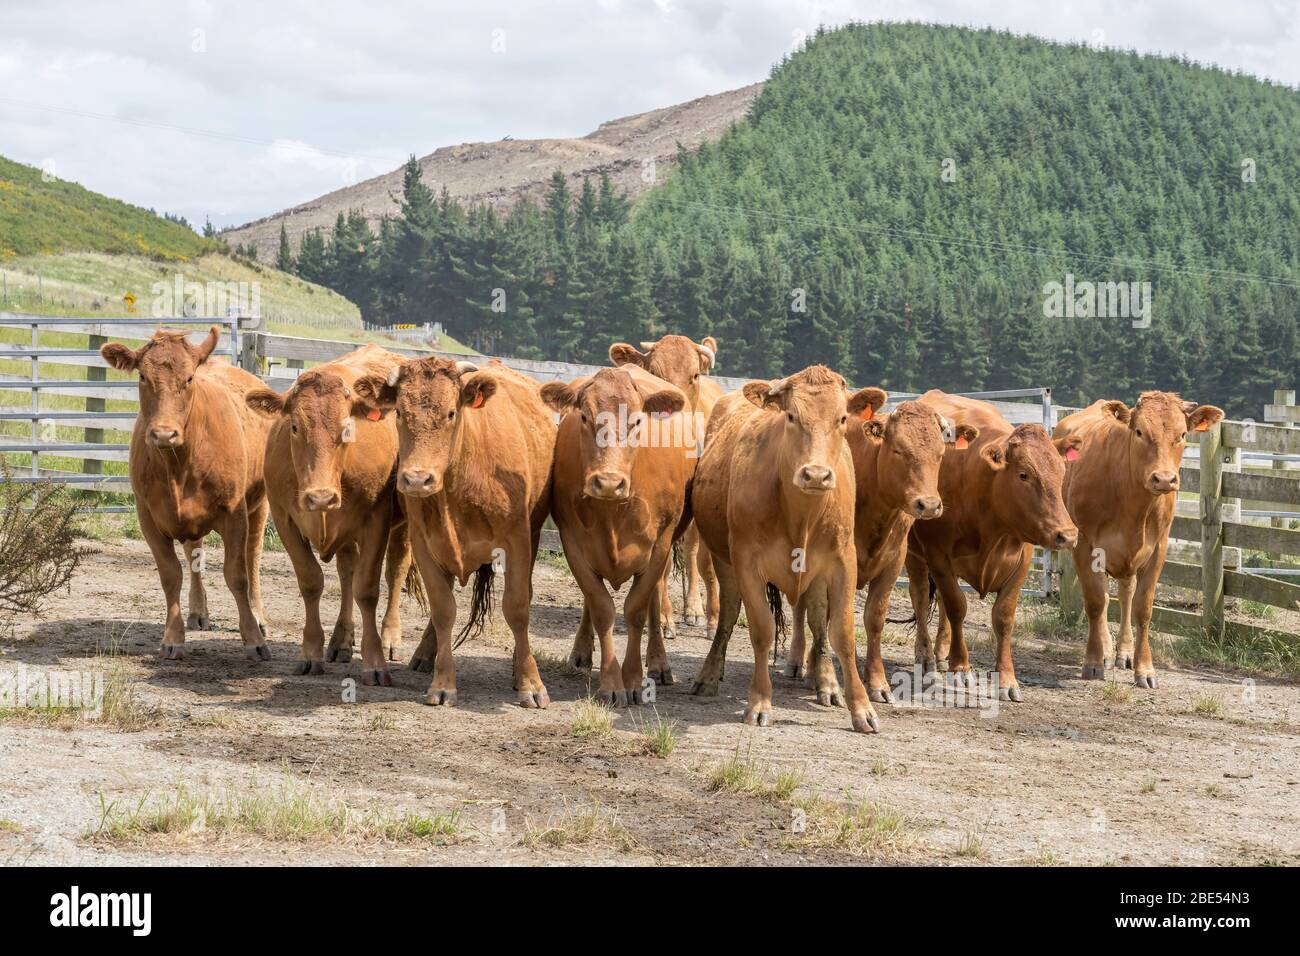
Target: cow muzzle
{"points": [[1063, 539], [165, 436], [1163, 482], [418, 483], [321, 499], [609, 486], [814, 479], [927, 507]]}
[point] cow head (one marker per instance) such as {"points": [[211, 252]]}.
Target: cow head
{"points": [[1028, 470], [320, 412], [1157, 433], [166, 365], [612, 411], [430, 397], [816, 408], [912, 440], [674, 358]]}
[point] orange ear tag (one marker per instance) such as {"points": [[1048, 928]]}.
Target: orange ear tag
{"points": [[374, 415], [1202, 426], [962, 442], [1072, 455], [868, 413], [478, 401]]}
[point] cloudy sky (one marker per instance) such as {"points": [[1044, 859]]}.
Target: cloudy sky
{"points": [[236, 110]]}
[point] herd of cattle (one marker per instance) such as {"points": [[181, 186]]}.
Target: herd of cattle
{"points": [[428, 470]]}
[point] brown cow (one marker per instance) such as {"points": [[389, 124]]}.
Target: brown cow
{"points": [[1121, 493], [686, 364], [1001, 496], [196, 466], [896, 459], [474, 472], [773, 498], [621, 480], [329, 478]]}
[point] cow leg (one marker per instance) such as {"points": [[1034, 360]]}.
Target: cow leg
{"points": [[840, 590], [663, 597], [515, 596], [873, 623], [1004, 622], [953, 609], [918, 589], [1124, 651], [584, 642], [170, 577], [343, 637], [762, 632], [659, 668], [704, 562], [796, 656], [256, 539], [821, 670], [706, 684], [646, 587], [367, 570], [234, 536], [690, 545], [426, 651], [943, 631], [1096, 595], [1144, 595], [311, 584], [598, 612], [442, 611], [198, 619], [397, 566]]}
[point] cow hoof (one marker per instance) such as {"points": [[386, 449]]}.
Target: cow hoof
{"points": [[794, 671], [198, 622], [1009, 693], [581, 661], [704, 688], [878, 696], [339, 655], [257, 652], [866, 723], [694, 620], [830, 698], [375, 677], [534, 699], [1093, 672], [663, 678], [669, 633], [309, 667], [712, 625], [171, 652], [1126, 663], [612, 698], [941, 665], [758, 718], [421, 665], [440, 698], [961, 680], [1145, 680]]}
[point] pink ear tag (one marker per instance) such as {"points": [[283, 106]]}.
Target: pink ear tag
{"points": [[478, 401], [867, 414], [1072, 455], [961, 442], [1202, 426], [374, 415]]}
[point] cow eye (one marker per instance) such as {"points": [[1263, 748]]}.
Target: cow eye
{"points": [[451, 414], [1024, 476], [294, 429], [844, 419], [189, 381], [1183, 437], [1138, 431], [789, 417]]}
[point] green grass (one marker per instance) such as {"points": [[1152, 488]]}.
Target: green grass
{"points": [[743, 774], [592, 720], [1210, 705], [580, 827], [866, 828], [658, 739]]}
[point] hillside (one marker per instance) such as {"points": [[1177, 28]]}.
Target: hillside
{"points": [[501, 172]]}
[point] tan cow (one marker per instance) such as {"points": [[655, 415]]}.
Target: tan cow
{"points": [[196, 466], [329, 477], [624, 458], [686, 364], [474, 472], [1001, 496], [773, 498], [1121, 494], [896, 459]]}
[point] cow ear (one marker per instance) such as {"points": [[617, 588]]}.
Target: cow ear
{"points": [[265, 401], [708, 350], [477, 390], [620, 353], [1121, 411], [1068, 447], [560, 396], [963, 435], [763, 394], [1202, 417], [995, 456], [119, 356], [865, 402], [874, 430], [373, 395], [204, 348], [664, 402]]}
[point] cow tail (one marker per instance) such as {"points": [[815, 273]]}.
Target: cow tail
{"points": [[480, 605], [778, 615], [929, 612], [414, 587]]}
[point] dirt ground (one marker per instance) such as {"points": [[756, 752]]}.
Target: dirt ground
{"points": [[1204, 770]]}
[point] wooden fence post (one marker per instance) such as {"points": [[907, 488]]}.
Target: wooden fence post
{"points": [[91, 466], [1071, 597], [1282, 412], [1211, 478]]}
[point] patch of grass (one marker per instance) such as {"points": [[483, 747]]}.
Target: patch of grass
{"points": [[592, 720], [1257, 609], [379, 722], [739, 774], [1148, 785], [1113, 692], [867, 828], [1267, 653], [1208, 705], [553, 665], [214, 718], [658, 739], [10, 826], [581, 827], [1044, 855], [289, 812], [971, 846]]}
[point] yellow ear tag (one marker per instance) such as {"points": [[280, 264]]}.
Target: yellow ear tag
{"points": [[868, 413], [478, 401], [962, 442], [374, 415], [1202, 426]]}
